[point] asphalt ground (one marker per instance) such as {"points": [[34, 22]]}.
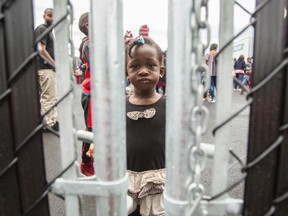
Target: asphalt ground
{"points": [[239, 136]]}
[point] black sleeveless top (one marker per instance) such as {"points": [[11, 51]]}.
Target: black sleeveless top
{"points": [[146, 137]]}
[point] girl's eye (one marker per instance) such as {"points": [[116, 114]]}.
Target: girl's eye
{"points": [[151, 65], [134, 66]]}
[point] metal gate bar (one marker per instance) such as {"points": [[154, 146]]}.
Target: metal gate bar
{"points": [[224, 99], [178, 136], [108, 103], [65, 108]]}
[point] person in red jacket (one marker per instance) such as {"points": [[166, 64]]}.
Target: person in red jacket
{"points": [[144, 30], [86, 167]]}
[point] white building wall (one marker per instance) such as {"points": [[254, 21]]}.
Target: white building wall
{"points": [[244, 47]]}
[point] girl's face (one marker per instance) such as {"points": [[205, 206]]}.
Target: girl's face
{"points": [[144, 68]]}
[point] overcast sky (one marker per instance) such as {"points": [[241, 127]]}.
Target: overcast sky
{"points": [[154, 13]]}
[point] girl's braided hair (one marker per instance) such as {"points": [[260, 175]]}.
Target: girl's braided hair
{"points": [[139, 41]]}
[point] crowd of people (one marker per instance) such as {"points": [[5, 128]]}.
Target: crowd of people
{"points": [[242, 71], [145, 70]]}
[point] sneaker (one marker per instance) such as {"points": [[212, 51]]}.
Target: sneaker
{"points": [[87, 169], [212, 100]]}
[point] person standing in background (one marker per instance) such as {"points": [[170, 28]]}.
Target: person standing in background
{"points": [[86, 166], [247, 75], [161, 84], [239, 67], [46, 72], [144, 30], [211, 62], [128, 36]]}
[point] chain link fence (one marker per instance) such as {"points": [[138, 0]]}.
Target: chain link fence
{"points": [[24, 189], [22, 169]]}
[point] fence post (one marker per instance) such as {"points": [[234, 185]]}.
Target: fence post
{"points": [[265, 116], [108, 101], [179, 103], [224, 98], [65, 108]]}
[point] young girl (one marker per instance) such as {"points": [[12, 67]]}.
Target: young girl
{"points": [[145, 122]]}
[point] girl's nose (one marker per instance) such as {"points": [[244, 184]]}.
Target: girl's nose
{"points": [[143, 72]]}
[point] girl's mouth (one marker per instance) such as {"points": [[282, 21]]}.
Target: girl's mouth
{"points": [[144, 80]]}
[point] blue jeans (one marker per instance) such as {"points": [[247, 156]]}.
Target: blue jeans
{"points": [[212, 86], [239, 76], [245, 79]]}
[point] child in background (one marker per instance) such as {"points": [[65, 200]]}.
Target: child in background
{"points": [[86, 167], [128, 36], [162, 81], [145, 122]]}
